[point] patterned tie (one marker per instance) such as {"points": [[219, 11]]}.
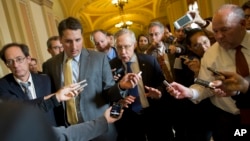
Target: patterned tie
{"points": [[164, 67], [70, 104], [26, 89], [242, 69], [136, 106]]}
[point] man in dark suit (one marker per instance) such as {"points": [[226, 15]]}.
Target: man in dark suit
{"points": [[16, 57], [86, 64], [146, 123]]}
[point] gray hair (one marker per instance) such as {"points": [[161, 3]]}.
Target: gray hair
{"points": [[157, 23], [235, 12], [125, 31]]}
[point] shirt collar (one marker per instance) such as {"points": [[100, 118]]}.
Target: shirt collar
{"points": [[76, 58], [19, 81]]}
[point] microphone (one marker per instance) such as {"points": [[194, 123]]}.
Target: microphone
{"points": [[118, 71], [203, 83]]}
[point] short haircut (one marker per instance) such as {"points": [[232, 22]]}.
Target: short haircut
{"points": [[157, 23], [95, 31], [53, 38], [69, 23], [34, 59], [23, 47], [125, 31], [246, 5]]}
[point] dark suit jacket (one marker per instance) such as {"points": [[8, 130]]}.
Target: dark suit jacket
{"points": [[171, 57], [157, 115], [11, 90], [94, 99], [152, 75]]}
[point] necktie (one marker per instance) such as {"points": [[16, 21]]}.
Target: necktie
{"points": [[241, 63], [164, 67], [26, 89], [70, 104], [242, 69], [136, 106]]}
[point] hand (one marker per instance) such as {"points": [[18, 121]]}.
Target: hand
{"points": [[68, 92], [116, 76], [193, 65], [172, 49], [109, 118], [231, 83], [125, 102], [130, 80], [179, 91], [153, 93], [197, 18]]}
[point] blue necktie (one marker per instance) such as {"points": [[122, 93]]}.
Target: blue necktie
{"points": [[136, 106]]}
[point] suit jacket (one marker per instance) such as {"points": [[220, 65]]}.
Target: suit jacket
{"points": [[157, 115], [171, 57], [29, 125], [11, 90], [94, 99], [83, 131], [152, 75]]}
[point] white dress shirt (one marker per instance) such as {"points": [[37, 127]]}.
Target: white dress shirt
{"points": [[222, 60]]}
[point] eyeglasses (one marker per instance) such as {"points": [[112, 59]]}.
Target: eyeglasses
{"points": [[18, 60], [126, 47], [247, 16], [57, 47], [155, 34]]}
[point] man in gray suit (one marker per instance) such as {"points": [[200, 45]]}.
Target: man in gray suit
{"points": [[90, 65]]}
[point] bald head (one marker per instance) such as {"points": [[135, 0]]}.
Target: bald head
{"points": [[229, 26]]}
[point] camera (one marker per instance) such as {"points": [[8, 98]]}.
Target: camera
{"points": [[116, 110]]}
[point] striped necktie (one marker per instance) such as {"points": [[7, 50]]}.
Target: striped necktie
{"points": [[25, 86]]}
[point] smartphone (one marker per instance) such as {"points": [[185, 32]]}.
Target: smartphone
{"points": [[165, 82], [214, 71], [116, 110], [183, 21]]}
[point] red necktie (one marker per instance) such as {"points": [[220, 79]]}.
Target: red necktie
{"points": [[243, 70], [241, 63]]}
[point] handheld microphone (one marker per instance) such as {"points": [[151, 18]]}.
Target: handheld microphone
{"points": [[118, 71], [203, 83]]}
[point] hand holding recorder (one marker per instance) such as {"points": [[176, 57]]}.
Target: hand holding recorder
{"points": [[70, 91], [178, 91], [130, 80]]}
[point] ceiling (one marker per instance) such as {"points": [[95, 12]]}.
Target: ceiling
{"points": [[101, 14]]}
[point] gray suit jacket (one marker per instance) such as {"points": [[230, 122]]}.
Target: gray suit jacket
{"points": [[94, 100], [83, 131]]}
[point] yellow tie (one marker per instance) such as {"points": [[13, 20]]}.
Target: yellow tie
{"points": [[70, 104]]}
